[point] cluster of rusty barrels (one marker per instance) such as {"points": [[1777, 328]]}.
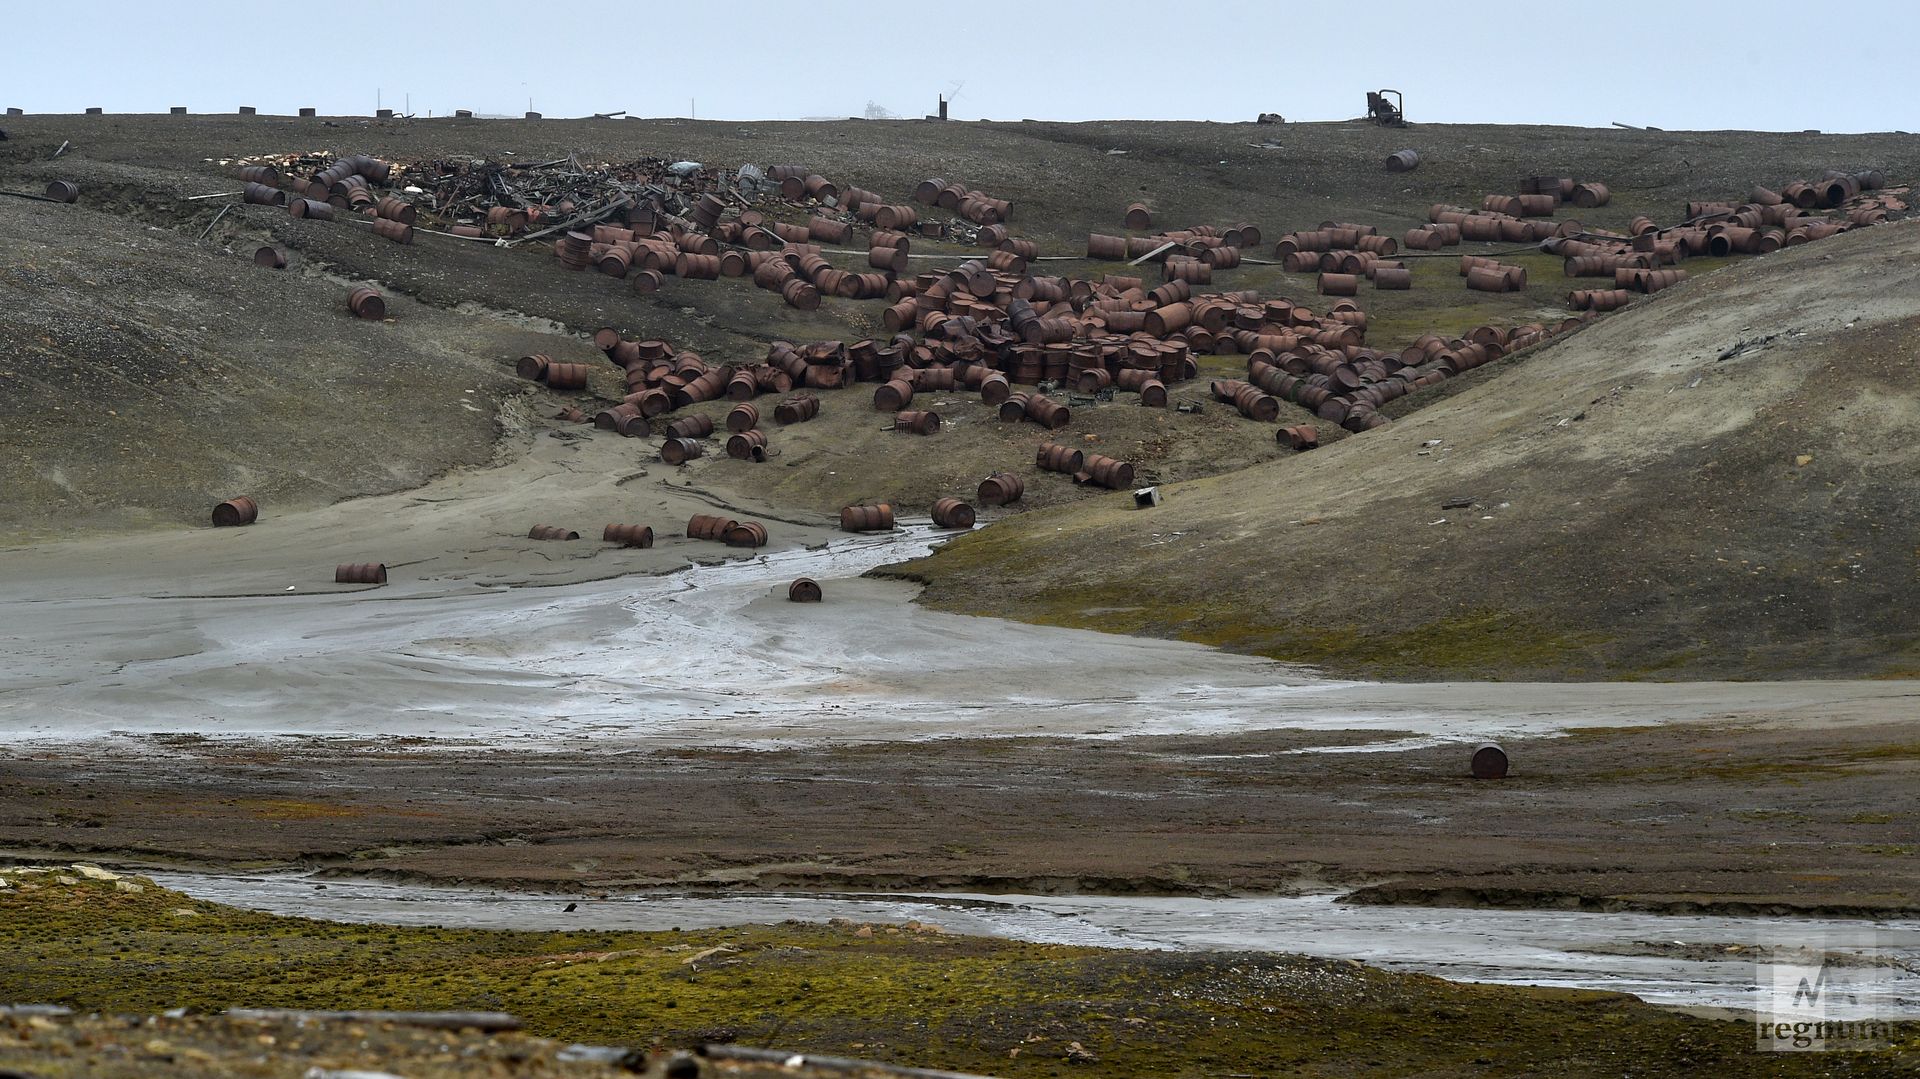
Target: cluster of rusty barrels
{"points": [[346, 185], [976, 206], [1191, 254], [540, 367], [1492, 275], [1344, 254], [733, 533]]}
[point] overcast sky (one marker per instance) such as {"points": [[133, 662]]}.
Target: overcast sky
{"points": [[1758, 64]]}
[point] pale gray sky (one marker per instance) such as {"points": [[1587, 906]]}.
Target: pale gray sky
{"points": [[1758, 64]]}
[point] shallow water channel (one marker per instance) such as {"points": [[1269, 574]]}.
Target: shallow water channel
{"points": [[1684, 960]]}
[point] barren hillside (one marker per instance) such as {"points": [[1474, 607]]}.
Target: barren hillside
{"points": [[1716, 484]]}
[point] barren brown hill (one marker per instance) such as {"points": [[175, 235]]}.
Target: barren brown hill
{"points": [[1718, 483]]}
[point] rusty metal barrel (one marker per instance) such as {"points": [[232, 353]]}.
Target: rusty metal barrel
{"points": [[261, 195], [1153, 393], [1108, 472], [1403, 161], [919, 423], [628, 535], [803, 590], [1138, 216], [551, 532], [567, 376], [394, 209], [867, 518], [706, 526], [366, 303], [1052, 457], [1047, 413], [1487, 279], [236, 511], [690, 427], [678, 451], [994, 389], [747, 446], [1001, 488], [398, 232], [311, 209], [745, 534], [1339, 284], [952, 513], [797, 409], [260, 174], [1298, 437], [1489, 762], [742, 417], [889, 258], [1392, 278], [269, 258], [1590, 195], [360, 573], [1108, 248], [892, 396]]}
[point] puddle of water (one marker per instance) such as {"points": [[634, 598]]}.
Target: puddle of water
{"points": [[1664, 959]]}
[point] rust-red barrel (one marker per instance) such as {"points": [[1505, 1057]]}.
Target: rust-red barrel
{"points": [[260, 174], [866, 518], [888, 258], [690, 427], [628, 535], [567, 376], [1047, 413], [1153, 393], [1001, 488], [797, 409], [952, 513], [919, 423], [803, 590], [706, 526], [1339, 284], [745, 534], [825, 230], [533, 367], [1403, 161], [742, 417], [551, 532], [1489, 761], [236, 511], [269, 257], [678, 451], [394, 209], [360, 573], [397, 231], [1139, 217], [1108, 248], [892, 396], [1487, 279], [1056, 458], [1298, 437], [1115, 475], [366, 303], [262, 195], [994, 389], [1590, 195], [312, 209], [747, 446], [1392, 279]]}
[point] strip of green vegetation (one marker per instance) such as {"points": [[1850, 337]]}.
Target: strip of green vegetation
{"points": [[911, 995]]}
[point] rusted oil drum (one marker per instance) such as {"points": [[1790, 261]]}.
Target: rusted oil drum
{"points": [[310, 208], [889, 258], [866, 518], [1138, 217], [706, 526], [394, 230], [269, 258], [1109, 248], [236, 511], [742, 417], [394, 209], [551, 532], [696, 267], [742, 386], [678, 451], [1057, 458], [803, 590], [746, 534], [690, 427], [825, 230], [1115, 475], [893, 396], [366, 303], [566, 376], [1591, 194], [256, 194], [1001, 488], [1153, 393], [1489, 762], [1093, 380], [797, 409], [1403, 161], [644, 281], [800, 295], [747, 446], [1298, 437], [1049, 414], [1387, 277], [1339, 284], [994, 390], [628, 535], [1485, 279], [506, 219], [952, 513], [919, 423], [260, 174], [360, 573]]}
